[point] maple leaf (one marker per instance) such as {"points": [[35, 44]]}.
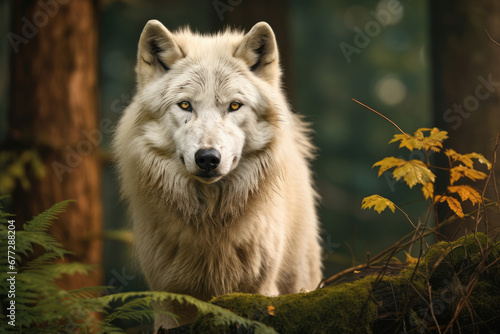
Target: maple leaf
{"points": [[388, 163], [479, 158], [407, 141], [452, 202], [428, 190], [458, 172], [413, 172], [466, 159], [454, 156], [435, 140], [380, 203], [466, 193], [419, 141]]}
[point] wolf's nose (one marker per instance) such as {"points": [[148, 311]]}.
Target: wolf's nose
{"points": [[207, 159]]}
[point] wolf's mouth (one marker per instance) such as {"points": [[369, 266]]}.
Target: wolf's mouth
{"points": [[208, 177]]}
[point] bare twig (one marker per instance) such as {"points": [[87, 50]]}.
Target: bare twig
{"points": [[464, 300], [491, 38], [492, 172], [343, 273], [493, 163], [417, 230], [353, 258], [432, 307], [385, 117]]}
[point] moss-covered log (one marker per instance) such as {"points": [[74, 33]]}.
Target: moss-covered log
{"points": [[456, 283]]}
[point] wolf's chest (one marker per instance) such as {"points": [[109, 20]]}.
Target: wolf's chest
{"points": [[217, 267]]}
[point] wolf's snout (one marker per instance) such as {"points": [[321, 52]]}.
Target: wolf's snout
{"points": [[207, 159]]}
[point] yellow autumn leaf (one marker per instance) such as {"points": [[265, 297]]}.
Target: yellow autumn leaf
{"points": [[458, 172], [435, 140], [413, 172], [410, 259], [408, 141], [452, 202], [454, 156], [419, 141], [271, 310], [428, 190], [466, 193], [455, 205], [378, 202], [439, 198], [466, 159], [479, 158], [388, 163]]}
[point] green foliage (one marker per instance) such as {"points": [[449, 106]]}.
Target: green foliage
{"points": [[38, 299], [141, 304], [41, 306], [18, 166]]}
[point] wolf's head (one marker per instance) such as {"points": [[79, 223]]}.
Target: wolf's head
{"points": [[207, 101]]}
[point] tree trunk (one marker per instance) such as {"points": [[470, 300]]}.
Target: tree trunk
{"points": [[466, 82], [53, 109]]}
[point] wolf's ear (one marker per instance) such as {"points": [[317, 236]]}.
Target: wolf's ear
{"points": [[259, 51], [158, 51]]}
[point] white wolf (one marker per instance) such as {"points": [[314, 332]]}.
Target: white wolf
{"points": [[214, 166]]}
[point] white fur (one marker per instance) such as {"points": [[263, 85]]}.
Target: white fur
{"points": [[252, 227]]}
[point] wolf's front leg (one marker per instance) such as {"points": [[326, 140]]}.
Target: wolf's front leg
{"points": [[270, 289]]}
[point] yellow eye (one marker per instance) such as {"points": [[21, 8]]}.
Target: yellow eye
{"points": [[235, 106], [185, 105]]}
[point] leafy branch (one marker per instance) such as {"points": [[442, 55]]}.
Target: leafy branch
{"points": [[413, 172]]}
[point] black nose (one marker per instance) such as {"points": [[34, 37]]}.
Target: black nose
{"points": [[207, 159]]}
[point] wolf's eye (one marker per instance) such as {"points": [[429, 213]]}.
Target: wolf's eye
{"points": [[185, 105], [235, 106]]}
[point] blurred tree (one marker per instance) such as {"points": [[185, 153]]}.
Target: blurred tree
{"points": [[466, 80], [53, 109]]}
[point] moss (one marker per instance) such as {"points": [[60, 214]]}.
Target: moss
{"points": [[460, 259], [345, 308], [351, 308]]}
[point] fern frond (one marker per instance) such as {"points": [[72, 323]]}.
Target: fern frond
{"points": [[26, 240], [144, 300], [42, 221], [89, 291]]}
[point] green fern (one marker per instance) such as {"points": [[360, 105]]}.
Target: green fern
{"points": [[43, 307], [38, 299], [142, 308]]}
